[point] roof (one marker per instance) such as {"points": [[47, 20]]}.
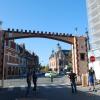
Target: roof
{"points": [[65, 52]]}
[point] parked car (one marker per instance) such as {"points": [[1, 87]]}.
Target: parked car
{"points": [[49, 74], [54, 74], [67, 73], [40, 74]]}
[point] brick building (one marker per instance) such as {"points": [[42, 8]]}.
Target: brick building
{"points": [[17, 59]]}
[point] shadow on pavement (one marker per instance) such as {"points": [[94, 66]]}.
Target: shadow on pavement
{"points": [[60, 92]]}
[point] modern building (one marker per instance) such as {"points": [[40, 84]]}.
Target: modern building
{"points": [[60, 59], [93, 10]]}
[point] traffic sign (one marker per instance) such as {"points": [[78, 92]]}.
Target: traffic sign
{"points": [[92, 58]]}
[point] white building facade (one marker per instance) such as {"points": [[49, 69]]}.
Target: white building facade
{"points": [[93, 11], [59, 59]]}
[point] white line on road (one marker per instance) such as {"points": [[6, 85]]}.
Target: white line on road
{"points": [[10, 88], [22, 87]]}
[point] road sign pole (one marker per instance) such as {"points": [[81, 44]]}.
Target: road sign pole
{"points": [[2, 37]]}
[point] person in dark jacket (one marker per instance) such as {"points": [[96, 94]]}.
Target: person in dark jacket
{"points": [[72, 77], [91, 74], [28, 80], [34, 76]]}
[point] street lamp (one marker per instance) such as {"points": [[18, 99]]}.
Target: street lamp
{"points": [[3, 58], [2, 54]]}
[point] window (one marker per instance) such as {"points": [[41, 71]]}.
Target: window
{"points": [[82, 56]]}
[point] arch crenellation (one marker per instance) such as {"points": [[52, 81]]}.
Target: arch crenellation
{"points": [[16, 34], [38, 32]]}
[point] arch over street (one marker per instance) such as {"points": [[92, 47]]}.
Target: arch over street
{"points": [[79, 45]]}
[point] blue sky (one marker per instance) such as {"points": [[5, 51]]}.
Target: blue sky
{"points": [[44, 15]]}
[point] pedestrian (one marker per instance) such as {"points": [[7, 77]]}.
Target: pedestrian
{"points": [[51, 78], [28, 79], [91, 78], [34, 76], [72, 77]]}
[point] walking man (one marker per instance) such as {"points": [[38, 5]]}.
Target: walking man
{"points": [[72, 77], [28, 79], [34, 76], [51, 78], [91, 77]]}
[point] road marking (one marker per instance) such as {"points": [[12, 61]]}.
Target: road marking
{"points": [[29, 99], [42, 85], [53, 85], [59, 87], [47, 87], [22, 87], [10, 88]]}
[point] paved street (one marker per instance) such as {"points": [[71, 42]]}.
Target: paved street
{"points": [[58, 90]]}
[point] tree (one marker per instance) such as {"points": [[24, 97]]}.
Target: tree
{"points": [[69, 68]]}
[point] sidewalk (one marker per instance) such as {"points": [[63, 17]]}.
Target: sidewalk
{"points": [[86, 89]]}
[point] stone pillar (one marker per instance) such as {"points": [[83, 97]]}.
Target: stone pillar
{"points": [[80, 58], [84, 80]]}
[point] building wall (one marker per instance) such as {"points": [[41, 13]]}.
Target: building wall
{"points": [[74, 57], [59, 59], [53, 64], [93, 12], [0, 54], [17, 59], [10, 58], [80, 56]]}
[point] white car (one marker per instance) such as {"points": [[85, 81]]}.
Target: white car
{"points": [[48, 74], [51, 74], [68, 73]]}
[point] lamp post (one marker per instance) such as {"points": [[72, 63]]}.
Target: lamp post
{"points": [[2, 54], [3, 58]]}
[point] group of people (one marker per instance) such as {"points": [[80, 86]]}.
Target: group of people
{"points": [[31, 76], [91, 79]]}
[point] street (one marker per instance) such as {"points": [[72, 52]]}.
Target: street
{"points": [[46, 90]]}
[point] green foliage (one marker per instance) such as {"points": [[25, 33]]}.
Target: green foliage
{"points": [[44, 68], [69, 68]]}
